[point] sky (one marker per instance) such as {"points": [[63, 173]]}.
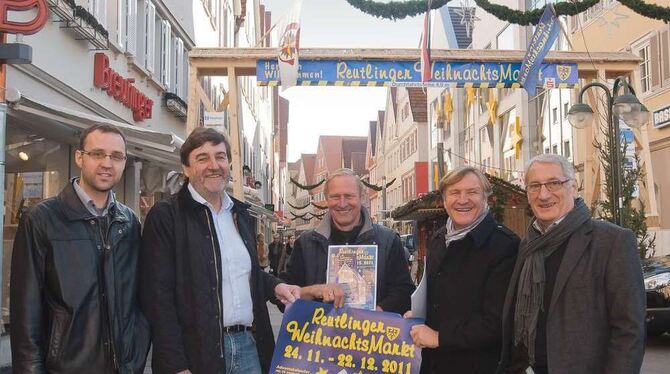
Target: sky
{"points": [[318, 111]]}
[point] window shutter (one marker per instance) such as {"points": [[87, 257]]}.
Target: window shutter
{"points": [[185, 76], [179, 63], [655, 64], [165, 53], [665, 56], [150, 30], [121, 10], [131, 26]]}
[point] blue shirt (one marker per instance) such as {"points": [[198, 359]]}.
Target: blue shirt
{"points": [[235, 263], [89, 203]]}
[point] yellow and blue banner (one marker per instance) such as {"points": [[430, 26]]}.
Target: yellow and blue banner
{"points": [[546, 32], [408, 73], [318, 338]]}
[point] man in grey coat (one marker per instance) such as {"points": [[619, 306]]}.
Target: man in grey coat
{"points": [[576, 300]]}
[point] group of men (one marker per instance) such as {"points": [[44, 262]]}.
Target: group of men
{"points": [[90, 291]]}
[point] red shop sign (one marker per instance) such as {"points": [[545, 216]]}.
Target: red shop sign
{"points": [[122, 89], [27, 28]]}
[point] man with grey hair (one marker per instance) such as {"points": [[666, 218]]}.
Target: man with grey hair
{"points": [[576, 300], [348, 222]]}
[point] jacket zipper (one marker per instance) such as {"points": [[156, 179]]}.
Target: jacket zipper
{"points": [[218, 283], [106, 249]]}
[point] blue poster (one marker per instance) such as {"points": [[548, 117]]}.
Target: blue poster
{"points": [[318, 338], [408, 73], [354, 268]]}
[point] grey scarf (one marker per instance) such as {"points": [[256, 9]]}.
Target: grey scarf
{"points": [[453, 234], [535, 248]]}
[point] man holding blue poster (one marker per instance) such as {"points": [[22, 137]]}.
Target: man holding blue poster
{"points": [[348, 222]]}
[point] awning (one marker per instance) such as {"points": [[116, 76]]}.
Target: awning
{"points": [[154, 146], [422, 214]]}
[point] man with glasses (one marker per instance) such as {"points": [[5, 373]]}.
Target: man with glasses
{"points": [[348, 222], [74, 272], [576, 300]]}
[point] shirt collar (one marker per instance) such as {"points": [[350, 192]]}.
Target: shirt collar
{"points": [[226, 201], [538, 227], [88, 201]]}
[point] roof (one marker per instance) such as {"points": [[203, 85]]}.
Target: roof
{"points": [[331, 147], [418, 104], [462, 39], [380, 120], [372, 137], [358, 163], [308, 160], [350, 146]]}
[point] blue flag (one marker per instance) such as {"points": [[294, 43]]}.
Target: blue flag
{"points": [[543, 38]]}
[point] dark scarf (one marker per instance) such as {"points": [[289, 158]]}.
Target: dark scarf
{"points": [[535, 248]]}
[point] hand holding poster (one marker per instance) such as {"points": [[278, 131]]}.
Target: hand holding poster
{"points": [[318, 338]]}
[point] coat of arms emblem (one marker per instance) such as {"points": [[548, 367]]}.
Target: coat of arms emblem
{"points": [[563, 72]]}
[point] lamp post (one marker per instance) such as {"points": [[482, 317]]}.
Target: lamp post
{"points": [[633, 113]]}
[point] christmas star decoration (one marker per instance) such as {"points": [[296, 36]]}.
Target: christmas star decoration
{"points": [[492, 106], [322, 371], [613, 23], [468, 17]]}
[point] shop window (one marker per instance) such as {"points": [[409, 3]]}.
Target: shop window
{"points": [[36, 168]]}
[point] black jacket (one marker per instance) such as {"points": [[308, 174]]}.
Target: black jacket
{"points": [[181, 286], [309, 260], [467, 283], [74, 293]]}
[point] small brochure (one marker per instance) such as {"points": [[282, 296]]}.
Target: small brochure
{"points": [[354, 268]]}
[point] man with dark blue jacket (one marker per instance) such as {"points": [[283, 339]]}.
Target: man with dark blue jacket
{"points": [[348, 222], [202, 287]]}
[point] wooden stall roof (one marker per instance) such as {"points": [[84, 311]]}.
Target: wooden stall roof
{"points": [[430, 206]]}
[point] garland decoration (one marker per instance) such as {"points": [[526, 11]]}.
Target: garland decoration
{"points": [[307, 186], [375, 187], [298, 207], [395, 10], [322, 207], [301, 216]]}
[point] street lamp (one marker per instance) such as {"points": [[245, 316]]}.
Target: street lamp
{"points": [[634, 114]]}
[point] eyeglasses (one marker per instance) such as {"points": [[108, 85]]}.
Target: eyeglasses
{"points": [[552, 186], [99, 155]]}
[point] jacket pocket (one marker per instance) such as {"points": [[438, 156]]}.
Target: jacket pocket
{"points": [[136, 341], [59, 324]]}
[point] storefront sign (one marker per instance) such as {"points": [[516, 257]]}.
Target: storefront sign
{"points": [[408, 73], [25, 28], [214, 119], [122, 89], [661, 117], [317, 338]]}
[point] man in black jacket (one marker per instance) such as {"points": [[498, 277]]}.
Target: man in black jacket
{"points": [[202, 287], [73, 282], [348, 222]]}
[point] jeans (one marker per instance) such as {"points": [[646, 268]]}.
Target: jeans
{"points": [[240, 353]]}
